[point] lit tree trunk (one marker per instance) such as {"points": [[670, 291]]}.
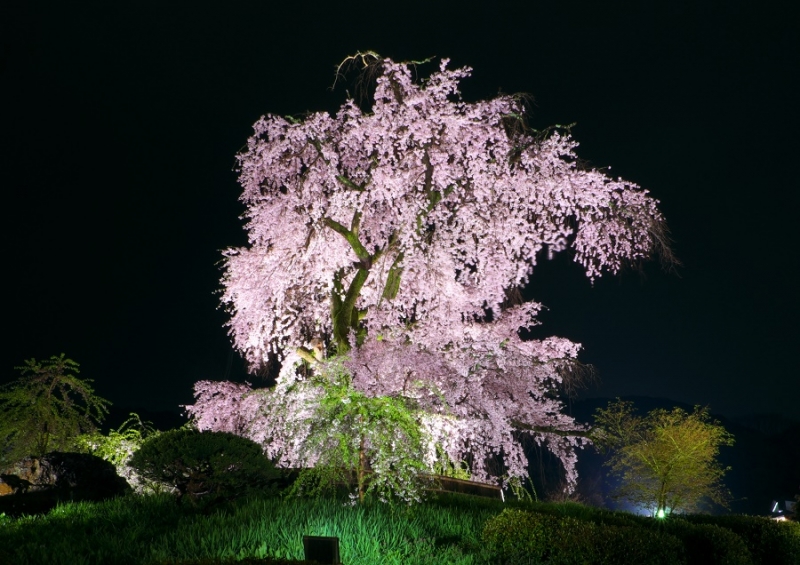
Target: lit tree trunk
{"points": [[661, 503], [344, 313]]}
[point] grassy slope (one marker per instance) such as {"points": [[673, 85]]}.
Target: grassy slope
{"points": [[140, 530], [156, 530]]}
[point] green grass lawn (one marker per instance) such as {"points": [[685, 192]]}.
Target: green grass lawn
{"points": [[446, 530], [154, 529]]}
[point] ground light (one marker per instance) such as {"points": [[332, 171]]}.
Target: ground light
{"points": [[322, 549]]}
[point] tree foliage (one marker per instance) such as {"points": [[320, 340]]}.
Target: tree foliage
{"points": [[118, 446], [399, 236], [373, 442], [47, 408], [667, 460]]}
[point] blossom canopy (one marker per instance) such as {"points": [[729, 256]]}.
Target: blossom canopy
{"points": [[398, 236], [439, 205]]}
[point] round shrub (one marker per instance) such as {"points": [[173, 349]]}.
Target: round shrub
{"points": [[208, 465], [769, 542], [577, 542], [515, 536], [709, 544]]}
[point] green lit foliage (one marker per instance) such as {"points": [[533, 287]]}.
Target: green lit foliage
{"points": [[456, 470], [666, 460], [516, 536], [46, 409], [154, 530], [119, 446], [375, 443], [205, 465], [447, 531]]}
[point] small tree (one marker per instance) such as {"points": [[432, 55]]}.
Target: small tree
{"points": [[373, 442], [46, 409], [667, 459]]}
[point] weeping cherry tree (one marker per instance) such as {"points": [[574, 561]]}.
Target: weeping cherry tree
{"points": [[386, 251]]}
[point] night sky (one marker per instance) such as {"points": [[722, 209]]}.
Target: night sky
{"points": [[120, 122]]}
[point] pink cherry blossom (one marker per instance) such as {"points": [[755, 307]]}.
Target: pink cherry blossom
{"points": [[397, 235]]}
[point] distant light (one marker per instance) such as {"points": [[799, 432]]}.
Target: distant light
{"points": [[779, 518], [661, 513], [775, 506]]}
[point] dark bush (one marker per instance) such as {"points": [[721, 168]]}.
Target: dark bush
{"points": [[769, 542], [577, 542], [709, 544], [207, 465], [519, 537], [515, 536]]}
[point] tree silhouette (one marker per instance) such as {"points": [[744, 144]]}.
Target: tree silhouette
{"points": [[47, 408]]}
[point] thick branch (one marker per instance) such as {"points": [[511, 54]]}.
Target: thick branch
{"points": [[351, 236], [588, 434], [346, 317], [392, 286], [343, 310], [306, 355], [350, 184]]}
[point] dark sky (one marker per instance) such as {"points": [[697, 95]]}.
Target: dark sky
{"points": [[120, 122]]}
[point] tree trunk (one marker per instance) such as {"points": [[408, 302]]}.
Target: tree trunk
{"points": [[362, 464]]}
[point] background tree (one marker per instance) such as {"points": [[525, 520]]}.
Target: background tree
{"points": [[46, 409], [399, 236], [666, 460]]}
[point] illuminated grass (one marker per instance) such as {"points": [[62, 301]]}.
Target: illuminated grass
{"points": [[156, 530], [149, 530]]}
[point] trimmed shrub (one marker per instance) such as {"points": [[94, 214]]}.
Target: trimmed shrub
{"points": [[769, 542], [519, 537], [709, 544], [207, 465], [515, 536], [578, 542]]}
